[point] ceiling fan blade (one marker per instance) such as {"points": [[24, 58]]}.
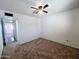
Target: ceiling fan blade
{"points": [[45, 11], [45, 6], [34, 8], [36, 11]]}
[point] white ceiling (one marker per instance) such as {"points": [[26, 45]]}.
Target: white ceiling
{"points": [[23, 6]]}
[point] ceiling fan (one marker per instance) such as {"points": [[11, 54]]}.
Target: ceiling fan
{"points": [[40, 8]]}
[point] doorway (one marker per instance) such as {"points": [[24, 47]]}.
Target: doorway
{"points": [[8, 31]]}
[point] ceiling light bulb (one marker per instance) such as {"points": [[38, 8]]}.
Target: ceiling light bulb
{"points": [[40, 12]]}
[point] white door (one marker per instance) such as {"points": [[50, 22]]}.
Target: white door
{"points": [[1, 40]]}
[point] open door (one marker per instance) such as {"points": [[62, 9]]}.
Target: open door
{"points": [[8, 31], [1, 39]]}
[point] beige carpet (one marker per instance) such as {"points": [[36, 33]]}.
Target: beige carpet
{"points": [[43, 49]]}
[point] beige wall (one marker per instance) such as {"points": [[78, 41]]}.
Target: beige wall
{"points": [[28, 28], [63, 28]]}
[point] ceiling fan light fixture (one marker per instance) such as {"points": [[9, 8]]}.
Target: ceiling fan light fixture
{"points": [[40, 12]]}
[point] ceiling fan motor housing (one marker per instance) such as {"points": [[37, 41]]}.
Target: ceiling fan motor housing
{"points": [[40, 7]]}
